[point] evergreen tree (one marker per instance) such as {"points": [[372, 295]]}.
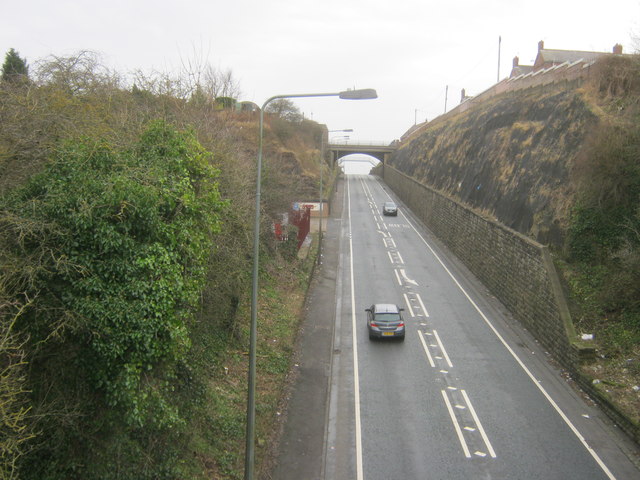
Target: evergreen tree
{"points": [[14, 67]]}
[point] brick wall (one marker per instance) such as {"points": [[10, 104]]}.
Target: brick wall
{"points": [[516, 269]]}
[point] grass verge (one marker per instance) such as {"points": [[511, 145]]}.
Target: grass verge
{"points": [[218, 432]]}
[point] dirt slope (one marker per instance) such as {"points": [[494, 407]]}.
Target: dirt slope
{"points": [[510, 157]]}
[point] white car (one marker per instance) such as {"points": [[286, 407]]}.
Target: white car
{"points": [[390, 208]]}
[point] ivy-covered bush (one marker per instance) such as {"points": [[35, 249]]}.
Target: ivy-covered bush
{"points": [[122, 245], [604, 236]]}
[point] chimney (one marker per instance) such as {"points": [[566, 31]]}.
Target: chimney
{"points": [[516, 62], [617, 49], [541, 45]]}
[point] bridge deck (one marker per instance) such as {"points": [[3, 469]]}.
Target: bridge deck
{"points": [[380, 152]]}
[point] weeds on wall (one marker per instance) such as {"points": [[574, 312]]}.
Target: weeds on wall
{"points": [[604, 234]]}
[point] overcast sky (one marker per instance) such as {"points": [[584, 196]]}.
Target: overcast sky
{"points": [[408, 50]]}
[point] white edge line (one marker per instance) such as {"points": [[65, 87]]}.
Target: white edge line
{"points": [[426, 350], [390, 258], [480, 428], [456, 425], [398, 276], [444, 352], [356, 378], [575, 431]]}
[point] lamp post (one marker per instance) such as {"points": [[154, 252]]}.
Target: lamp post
{"points": [[346, 130], [363, 94]]}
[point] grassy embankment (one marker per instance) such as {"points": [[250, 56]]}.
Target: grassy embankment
{"points": [[126, 219]]}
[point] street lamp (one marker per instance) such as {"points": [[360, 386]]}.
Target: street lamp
{"points": [[362, 94]]}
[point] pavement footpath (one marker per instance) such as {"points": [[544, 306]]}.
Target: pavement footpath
{"points": [[301, 448]]}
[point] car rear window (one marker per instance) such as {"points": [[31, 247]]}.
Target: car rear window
{"points": [[387, 317]]}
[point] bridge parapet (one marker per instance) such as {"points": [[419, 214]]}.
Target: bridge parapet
{"points": [[378, 150]]}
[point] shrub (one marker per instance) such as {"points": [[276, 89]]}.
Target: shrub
{"points": [[121, 269]]}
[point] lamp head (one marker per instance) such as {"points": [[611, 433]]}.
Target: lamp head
{"points": [[361, 94]]}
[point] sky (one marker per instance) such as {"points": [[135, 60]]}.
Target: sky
{"points": [[411, 51]]}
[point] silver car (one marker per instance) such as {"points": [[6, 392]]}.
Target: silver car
{"points": [[385, 320], [390, 208]]}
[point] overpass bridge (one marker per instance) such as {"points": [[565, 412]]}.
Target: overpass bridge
{"points": [[379, 150], [371, 161]]}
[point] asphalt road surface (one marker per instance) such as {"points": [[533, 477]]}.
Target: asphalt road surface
{"points": [[467, 395]]}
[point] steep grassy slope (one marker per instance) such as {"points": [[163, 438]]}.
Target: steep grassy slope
{"points": [[510, 157], [126, 222]]}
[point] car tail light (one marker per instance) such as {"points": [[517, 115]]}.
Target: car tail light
{"points": [[401, 324], [373, 324]]}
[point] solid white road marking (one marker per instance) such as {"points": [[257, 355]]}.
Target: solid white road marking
{"points": [[398, 277], [480, 428], [404, 275], [444, 352], [406, 299], [426, 350], [426, 313], [356, 377], [456, 425], [555, 406]]}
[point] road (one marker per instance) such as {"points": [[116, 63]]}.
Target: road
{"points": [[467, 395]]}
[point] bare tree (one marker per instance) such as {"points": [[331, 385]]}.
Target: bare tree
{"points": [[285, 109], [79, 73]]}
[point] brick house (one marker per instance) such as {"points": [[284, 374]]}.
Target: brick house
{"points": [[548, 58]]}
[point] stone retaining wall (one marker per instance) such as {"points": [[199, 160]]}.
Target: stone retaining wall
{"points": [[515, 268]]}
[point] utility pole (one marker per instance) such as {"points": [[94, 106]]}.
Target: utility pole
{"points": [[446, 95], [499, 45]]}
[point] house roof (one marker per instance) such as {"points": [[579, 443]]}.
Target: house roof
{"points": [[521, 70], [555, 57]]}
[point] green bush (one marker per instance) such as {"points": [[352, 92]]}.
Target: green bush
{"points": [[604, 235], [123, 254]]}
